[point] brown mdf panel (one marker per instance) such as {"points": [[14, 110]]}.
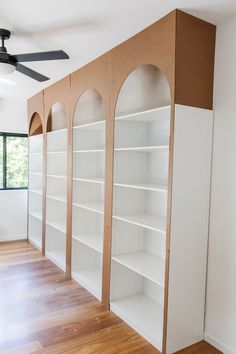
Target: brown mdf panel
{"points": [[194, 62], [155, 45], [60, 93], [35, 125], [57, 93], [96, 75]]}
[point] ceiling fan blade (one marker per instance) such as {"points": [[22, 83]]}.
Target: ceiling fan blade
{"points": [[31, 73], [40, 56]]}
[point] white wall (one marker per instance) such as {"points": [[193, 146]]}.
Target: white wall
{"points": [[13, 204], [221, 293]]}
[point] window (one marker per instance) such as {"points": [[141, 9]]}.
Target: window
{"points": [[13, 161]]}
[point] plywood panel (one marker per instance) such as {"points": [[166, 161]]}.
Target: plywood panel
{"points": [[36, 105], [194, 61]]}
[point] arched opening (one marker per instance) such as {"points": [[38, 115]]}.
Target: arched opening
{"points": [[35, 126]]}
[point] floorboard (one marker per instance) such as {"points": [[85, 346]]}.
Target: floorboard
{"points": [[42, 312]]}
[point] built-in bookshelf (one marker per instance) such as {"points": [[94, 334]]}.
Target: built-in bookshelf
{"points": [[35, 197], [141, 157], [88, 192], [56, 190]]}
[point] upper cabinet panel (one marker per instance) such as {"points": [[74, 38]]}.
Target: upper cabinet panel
{"points": [[57, 93]]}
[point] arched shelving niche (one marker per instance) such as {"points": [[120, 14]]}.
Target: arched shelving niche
{"points": [[56, 186], [141, 157], [35, 198], [88, 191]]}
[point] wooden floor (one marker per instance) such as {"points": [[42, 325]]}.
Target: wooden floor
{"points": [[41, 312]]}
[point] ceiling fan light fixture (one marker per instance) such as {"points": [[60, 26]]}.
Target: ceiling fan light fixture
{"points": [[6, 68]]}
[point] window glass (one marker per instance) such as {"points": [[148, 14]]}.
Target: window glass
{"points": [[16, 162], [1, 161]]}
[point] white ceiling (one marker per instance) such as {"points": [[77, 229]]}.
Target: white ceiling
{"points": [[85, 29]]}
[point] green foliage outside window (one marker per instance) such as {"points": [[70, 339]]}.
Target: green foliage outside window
{"points": [[13, 161]]}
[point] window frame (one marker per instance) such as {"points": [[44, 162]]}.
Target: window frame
{"points": [[4, 160]]}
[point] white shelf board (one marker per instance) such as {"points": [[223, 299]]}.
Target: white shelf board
{"points": [[56, 152], [145, 186], [147, 116], [58, 225], [90, 279], [91, 151], [35, 173], [90, 180], [144, 263], [100, 124], [36, 215], [144, 148], [35, 152], [56, 176], [57, 131], [57, 197], [142, 314], [97, 207], [148, 221], [58, 257], [35, 191], [94, 241]]}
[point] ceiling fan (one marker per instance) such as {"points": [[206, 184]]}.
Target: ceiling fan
{"points": [[9, 63]]}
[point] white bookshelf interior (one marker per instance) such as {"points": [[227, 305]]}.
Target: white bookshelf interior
{"points": [[88, 192], [35, 189], [56, 190], [141, 157]]}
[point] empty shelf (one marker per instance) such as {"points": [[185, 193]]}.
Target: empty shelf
{"points": [[148, 221], [35, 173], [90, 279], [147, 116], [88, 151], [35, 191], [90, 180], [143, 314], [145, 186], [93, 125], [58, 197], [56, 176], [94, 241], [97, 207], [36, 215], [146, 264], [58, 225], [144, 148], [56, 152], [58, 257]]}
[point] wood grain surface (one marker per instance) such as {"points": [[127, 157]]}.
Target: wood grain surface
{"points": [[43, 312]]}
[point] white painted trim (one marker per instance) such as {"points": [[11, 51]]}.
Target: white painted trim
{"points": [[218, 344], [13, 238]]}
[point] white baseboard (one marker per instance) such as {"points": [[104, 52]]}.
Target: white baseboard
{"points": [[12, 238], [218, 344]]}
